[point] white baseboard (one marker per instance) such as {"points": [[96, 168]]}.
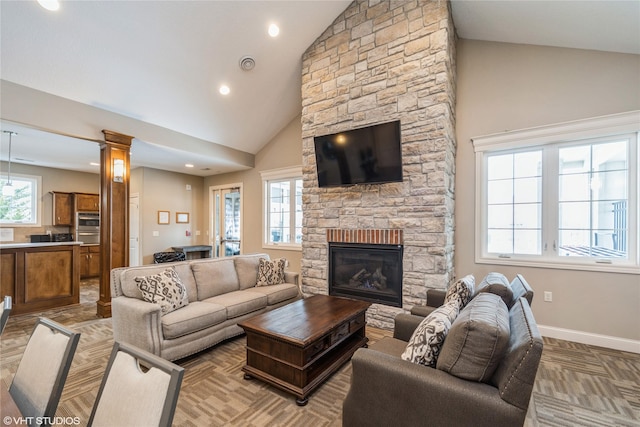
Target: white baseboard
{"points": [[607, 341]]}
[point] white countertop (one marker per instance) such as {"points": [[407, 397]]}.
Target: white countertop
{"points": [[36, 245]]}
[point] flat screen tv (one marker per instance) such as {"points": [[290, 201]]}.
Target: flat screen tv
{"points": [[368, 155]]}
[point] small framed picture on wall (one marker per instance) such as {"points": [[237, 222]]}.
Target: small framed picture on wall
{"points": [[163, 217], [182, 217]]}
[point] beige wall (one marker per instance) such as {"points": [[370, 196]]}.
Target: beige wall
{"points": [[284, 150], [52, 180], [507, 87], [166, 191]]}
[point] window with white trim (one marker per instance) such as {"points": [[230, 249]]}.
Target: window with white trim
{"points": [[282, 206], [19, 200], [564, 196]]}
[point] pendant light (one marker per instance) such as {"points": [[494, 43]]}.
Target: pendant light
{"points": [[7, 189]]}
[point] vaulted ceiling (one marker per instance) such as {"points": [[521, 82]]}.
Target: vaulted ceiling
{"points": [[162, 62]]}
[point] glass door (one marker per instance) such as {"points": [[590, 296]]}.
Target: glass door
{"points": [[227, 221]]}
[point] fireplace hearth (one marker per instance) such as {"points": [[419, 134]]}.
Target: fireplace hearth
{"points": [[369, 272]]}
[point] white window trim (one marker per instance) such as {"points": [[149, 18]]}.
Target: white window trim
{"points": [[36, 202], [615, 124], [272, 175]]}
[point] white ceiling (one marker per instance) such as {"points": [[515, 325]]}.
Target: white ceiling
{"points": [[162, 62]]}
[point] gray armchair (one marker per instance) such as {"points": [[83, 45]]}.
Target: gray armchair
{"points": [[387, 390]]}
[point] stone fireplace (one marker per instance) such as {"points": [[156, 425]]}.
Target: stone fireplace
{"points": [[383, 60]]}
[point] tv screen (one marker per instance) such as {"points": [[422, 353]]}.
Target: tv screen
{"points": [[360, 156]]}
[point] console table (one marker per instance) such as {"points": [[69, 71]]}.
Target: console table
{"points": [[205, 251]]}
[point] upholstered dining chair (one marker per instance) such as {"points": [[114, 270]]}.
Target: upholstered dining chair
{"points": [[138, 389], [42, 372], [4, 314]]}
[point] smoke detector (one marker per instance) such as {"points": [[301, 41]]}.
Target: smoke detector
{"points": [[247, 63]]}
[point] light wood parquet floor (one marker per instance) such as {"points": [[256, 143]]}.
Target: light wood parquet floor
{"points": [[576, 385]]}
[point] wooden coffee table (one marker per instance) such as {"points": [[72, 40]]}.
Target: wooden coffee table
{"points": [[298, 346]]}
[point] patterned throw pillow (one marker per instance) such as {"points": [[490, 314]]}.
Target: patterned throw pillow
{"points": [[425, 343], [462, 291], [270, 272], [165, 289]]}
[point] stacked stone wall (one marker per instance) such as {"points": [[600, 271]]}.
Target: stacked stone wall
{"points": [[381, 61]]}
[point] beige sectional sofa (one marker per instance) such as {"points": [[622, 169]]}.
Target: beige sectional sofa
{"points": [[221, 292]]}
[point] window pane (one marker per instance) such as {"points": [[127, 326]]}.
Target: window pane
{"points": [[514, 202], [527, 190], [500, 241], [527, 242], [500, 216], [574, 215], [610, 156], [574, 187], [528, 164], [297, 225], [595, 176], [278, 209], [575, 160], [284, 216], [500, 167], [500, 191], [574, 243], [19, 205], [527, 216], [609, 185]]}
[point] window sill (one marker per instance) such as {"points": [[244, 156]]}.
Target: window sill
{"points": [[588, 265]]}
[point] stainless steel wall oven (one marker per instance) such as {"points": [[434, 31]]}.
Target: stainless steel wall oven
{"points": [[88, 227]]}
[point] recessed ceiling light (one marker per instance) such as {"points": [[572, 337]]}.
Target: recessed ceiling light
{"points": [[50, 4], [224, 89], [94, 164], [274, 30], [188, 165]]}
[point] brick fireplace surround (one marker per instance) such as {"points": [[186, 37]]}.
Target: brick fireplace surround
{"points": [[381, 61]]}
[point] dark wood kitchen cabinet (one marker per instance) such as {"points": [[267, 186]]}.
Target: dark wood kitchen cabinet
{"points": [[86, 202], [89, 261], [62, 208]]}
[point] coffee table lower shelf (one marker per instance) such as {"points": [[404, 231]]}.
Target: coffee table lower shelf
{"points": [[302, 381]]}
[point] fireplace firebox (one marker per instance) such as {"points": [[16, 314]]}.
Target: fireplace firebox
{"points": [[369, 272]]}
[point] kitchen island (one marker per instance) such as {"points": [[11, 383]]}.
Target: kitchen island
{"points": [[40, 276]]}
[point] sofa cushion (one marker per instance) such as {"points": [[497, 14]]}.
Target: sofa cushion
{"points": [[270, 272], [247, 269], [165, 289], [462, 290], [215, 277], [130, 287], [239, 303], [194, 317], [477, 340], [425, 342], [277, 293], [496, 283]]}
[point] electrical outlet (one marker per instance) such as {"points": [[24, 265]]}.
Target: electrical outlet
{"points": [[548, 296], [156, 233]]}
